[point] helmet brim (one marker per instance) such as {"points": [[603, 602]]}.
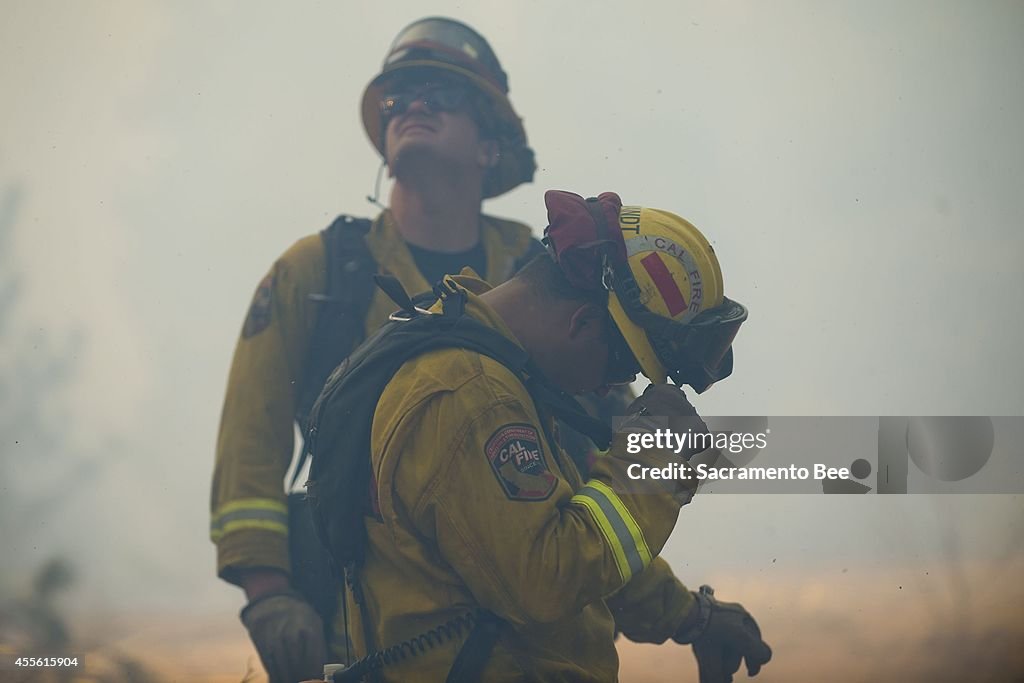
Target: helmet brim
{"points": [[508, 173], [637, 341]]}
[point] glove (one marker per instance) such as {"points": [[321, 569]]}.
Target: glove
{"points": [[289, 636], [662, 400], [722, 635], [664, 406]]}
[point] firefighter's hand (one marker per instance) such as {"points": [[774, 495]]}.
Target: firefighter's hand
{"points": [[288, 634], [665, 400], [723, 634], [664, 406]]}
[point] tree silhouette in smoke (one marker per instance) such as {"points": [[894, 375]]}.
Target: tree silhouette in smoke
{"points": [[41, 466], [33, 446], [42, 469], [33, 420]]}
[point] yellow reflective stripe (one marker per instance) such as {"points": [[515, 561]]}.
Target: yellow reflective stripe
{"points": [[249, 513], [251, 504], [629, 547], [261, 524], [610, 537], [634, 529]]}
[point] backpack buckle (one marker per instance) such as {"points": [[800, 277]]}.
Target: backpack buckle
{"points": [[394, 289], [451, 296], [404, 316]]}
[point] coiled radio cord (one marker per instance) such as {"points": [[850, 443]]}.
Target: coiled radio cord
{"points": [[413, 647]]}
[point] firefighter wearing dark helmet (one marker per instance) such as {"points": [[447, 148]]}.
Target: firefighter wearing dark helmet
{"points": [[450, 61], [440, 116], [473, 509]]}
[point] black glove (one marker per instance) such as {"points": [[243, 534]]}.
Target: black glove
{"points": [[663, 406], [723, 634], [666, 400], [289, 636]]}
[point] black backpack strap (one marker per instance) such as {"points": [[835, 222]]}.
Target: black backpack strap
{"points": [[343, 307], [340, 323], [472, 658], [339, 326]]}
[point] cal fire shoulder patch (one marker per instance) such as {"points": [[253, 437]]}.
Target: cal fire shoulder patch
{"points": [[517, 459], [259, 312]]}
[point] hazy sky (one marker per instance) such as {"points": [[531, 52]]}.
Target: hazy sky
{"points": [[858, 167]]}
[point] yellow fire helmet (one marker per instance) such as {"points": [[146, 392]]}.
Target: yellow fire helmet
{"points": [[664, 283], [438, 46]]}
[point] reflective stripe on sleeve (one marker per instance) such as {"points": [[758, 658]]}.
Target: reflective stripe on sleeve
{"points": [[265, 514], [617, 526]]}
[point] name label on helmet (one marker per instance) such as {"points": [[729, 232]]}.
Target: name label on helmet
{"points": [[629, 219]]}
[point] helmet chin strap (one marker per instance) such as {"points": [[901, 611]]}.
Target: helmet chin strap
{"points": [[376, 186]]}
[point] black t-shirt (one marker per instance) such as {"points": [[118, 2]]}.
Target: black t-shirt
{"points": [[435, 264]]}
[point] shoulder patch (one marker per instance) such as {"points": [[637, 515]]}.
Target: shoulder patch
{"points": [[517, 459], [258, 317]]}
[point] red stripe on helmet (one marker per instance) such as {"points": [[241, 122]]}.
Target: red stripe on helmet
{"points": [[667, 287]]}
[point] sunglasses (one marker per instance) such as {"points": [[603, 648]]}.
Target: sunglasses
{"points": [[435, 98]]}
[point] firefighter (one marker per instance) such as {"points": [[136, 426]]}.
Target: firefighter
{"points": [[488, 554], [440, 116]]}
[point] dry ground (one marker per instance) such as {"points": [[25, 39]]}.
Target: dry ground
{"points": [[907, 625]]}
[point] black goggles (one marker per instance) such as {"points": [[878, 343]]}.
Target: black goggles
{"points": [[699, 353], [623, 366], [435, 98]]}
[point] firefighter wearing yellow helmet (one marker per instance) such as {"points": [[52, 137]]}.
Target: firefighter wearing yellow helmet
{"points": [[662, 280], [481, 552], [669, 303]]}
